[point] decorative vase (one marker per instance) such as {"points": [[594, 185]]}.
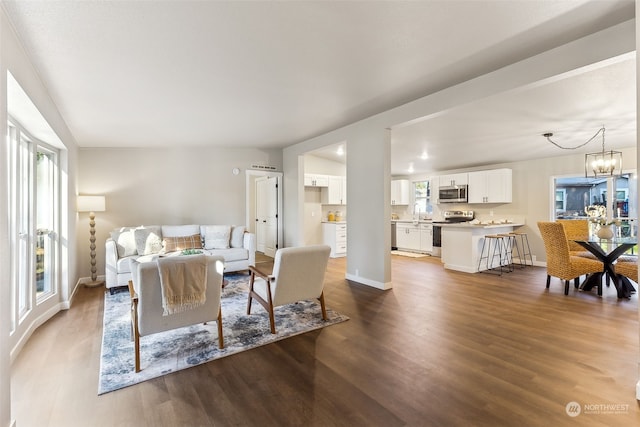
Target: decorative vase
{"points": [[605, 232]]}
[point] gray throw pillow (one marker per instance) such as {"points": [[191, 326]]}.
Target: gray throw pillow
{"points": [[148, 240]]}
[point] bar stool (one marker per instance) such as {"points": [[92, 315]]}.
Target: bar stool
{"points": [[522, 247], [498, 251], [508, 243]]}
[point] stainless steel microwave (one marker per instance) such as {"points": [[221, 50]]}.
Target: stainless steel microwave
{"points": [[453, 194]]}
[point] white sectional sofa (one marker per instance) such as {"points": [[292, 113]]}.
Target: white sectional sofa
{"points": [[146, 243]]}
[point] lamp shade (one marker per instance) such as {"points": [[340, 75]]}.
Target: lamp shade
{"points": [[91, 204]]}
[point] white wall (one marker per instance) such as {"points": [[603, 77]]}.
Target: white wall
{"points": [[182, 185]]}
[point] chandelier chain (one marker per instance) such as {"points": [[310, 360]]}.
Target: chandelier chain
{"points": [[548, 136]]}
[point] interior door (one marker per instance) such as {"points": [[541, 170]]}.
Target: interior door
{"points": [[267, 215]]}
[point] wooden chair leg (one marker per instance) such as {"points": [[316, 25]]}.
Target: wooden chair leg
{"points": [[220, 337], [548, 281], [253, 276], [272, 319], [322, 306], [137, 350], [566, 287], [134, 326]]}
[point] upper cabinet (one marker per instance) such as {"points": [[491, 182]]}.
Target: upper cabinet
{"points": [[400, 191], [336, 191], [316, 180], [490, 186], [454, 179], [434, 190]]}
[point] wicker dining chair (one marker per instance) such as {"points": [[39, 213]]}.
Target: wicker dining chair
{"points": [[576, 229], [628, 268], [560, 263]]}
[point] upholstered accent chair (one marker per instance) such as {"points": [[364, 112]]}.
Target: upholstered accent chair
{"points": [[298, 275], [147, 312], [560, 263]]}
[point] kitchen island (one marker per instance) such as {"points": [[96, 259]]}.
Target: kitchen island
{"points": [[462, 243]]}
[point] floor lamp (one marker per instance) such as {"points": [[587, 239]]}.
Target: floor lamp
{"points": [[92, 204]]}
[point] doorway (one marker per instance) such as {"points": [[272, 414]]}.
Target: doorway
{"points": [[263, 210]]}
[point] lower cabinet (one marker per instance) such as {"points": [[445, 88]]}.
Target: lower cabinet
{"points": [[335, 236], [408, 236], [414, 237], [426, 238]]}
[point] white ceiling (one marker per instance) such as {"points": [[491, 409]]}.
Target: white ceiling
{"points": [[270, 74]]}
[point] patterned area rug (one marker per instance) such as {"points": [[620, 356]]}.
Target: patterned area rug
{"points": [[178, 349]]}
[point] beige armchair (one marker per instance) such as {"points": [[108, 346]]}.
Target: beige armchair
{"points": [[147, 307], [298, 274]]}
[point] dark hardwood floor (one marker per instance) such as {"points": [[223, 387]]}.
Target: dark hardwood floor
{"points": [[440, 349]]}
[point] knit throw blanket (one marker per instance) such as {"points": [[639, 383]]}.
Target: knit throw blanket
{"points": [[183, 280]]}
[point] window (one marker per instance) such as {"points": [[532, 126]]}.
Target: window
{"points": [[421, 196], [575, 195], [561, 200], [33, 221]]}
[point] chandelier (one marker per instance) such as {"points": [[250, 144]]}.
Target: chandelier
{"points": [[601, 164]]}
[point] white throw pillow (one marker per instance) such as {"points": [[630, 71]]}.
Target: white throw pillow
{"points": [[217, 236], [125, 241], [237, 236]]}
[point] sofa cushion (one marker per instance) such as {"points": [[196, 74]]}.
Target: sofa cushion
{"points": [[148, 240], [180, 230], [125, 241], [123, 264], [217, 236], [183, 242], [237, 236], [231, 254]]}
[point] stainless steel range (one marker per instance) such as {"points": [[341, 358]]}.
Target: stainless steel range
{"points": [[455, 216]]}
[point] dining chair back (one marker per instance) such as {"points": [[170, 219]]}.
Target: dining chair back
{"points": [[576, 229]]}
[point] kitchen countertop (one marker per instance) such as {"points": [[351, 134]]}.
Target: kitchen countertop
{"points": [[424, 221], [467, 225]]}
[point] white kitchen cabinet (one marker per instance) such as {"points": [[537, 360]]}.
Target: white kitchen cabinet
{"points": [[454, 179], [400, 192], [315, 180], [335, 236], [336, 192], [408, 236], [426, 238], [490, 186], [434, 190]]}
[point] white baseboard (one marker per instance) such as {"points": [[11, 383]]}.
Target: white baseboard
{"points": [[368, 282]]}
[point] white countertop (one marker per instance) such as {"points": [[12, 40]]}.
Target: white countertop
{"points": [[472, 226]]}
